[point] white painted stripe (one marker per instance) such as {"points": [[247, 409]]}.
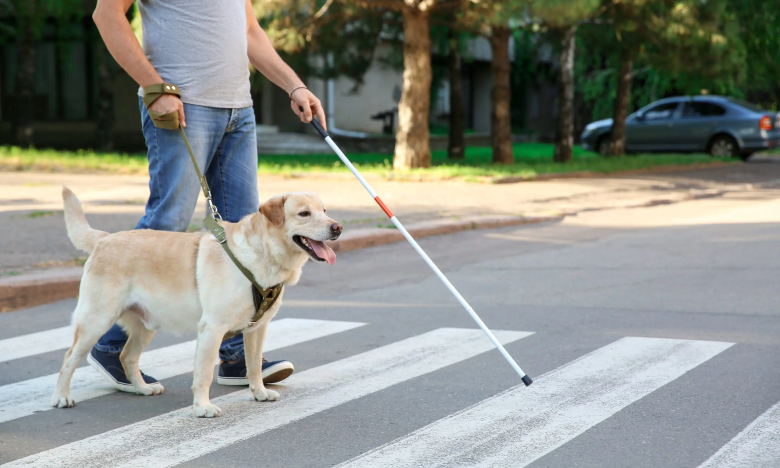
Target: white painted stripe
{"points": [[35, 343], [25, 398], [178, 436], [517, 427], [758, 446]]}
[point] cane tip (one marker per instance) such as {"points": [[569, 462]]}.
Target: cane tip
{"points": [[527, 380]]}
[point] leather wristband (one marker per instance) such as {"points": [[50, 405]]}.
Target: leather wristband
{"points": [[169, 121], [152, 92]]}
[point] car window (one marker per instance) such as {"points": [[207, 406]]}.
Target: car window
{"points": [[746, 105], [661, 111], [702, 109]]}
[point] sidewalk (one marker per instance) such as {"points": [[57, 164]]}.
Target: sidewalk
{"points": [[34, 234]]}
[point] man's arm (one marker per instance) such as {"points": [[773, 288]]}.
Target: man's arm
{"points": [[110, 19], [264, 57]]}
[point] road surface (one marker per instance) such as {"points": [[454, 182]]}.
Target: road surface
{"points": [[652, 334]]}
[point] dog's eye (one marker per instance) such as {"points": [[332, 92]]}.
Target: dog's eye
{"points": [[304, 213]]}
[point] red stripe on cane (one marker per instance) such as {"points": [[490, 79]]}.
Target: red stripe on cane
{"points": [[384, 207]]}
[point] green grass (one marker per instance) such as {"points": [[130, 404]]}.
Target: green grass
{"points": [[39, 214], [13, 158], [532, 159]]}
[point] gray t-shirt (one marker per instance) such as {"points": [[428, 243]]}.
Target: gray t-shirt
{"points": [[201, 46]]}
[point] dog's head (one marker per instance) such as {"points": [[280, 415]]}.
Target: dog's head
{"points": [[301, 216]]}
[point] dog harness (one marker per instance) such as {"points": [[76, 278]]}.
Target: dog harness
{"points": [[263, 298]]}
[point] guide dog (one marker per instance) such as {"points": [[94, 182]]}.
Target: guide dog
{"points": [[185, 282]]}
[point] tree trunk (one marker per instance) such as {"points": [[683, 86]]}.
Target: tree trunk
{"points": [[620, 112], [412, 146], [500, 116], [25, 85], [564, 135], [457, 143], [104, 132]]}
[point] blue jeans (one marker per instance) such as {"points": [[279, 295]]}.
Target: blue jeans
{"points": [[224, 142]]}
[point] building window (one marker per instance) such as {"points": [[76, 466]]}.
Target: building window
{"points": [[64, 73]]}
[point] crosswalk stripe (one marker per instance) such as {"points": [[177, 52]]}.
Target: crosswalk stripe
{"points": [[35, 343], [178, 436], [757, 446], [518, 426], [27, 397]]}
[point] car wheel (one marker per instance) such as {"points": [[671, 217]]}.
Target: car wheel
{"points": [[604, 145], [724, 146]]}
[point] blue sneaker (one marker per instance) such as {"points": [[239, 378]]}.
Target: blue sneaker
{"points": [[234, 373], [110, 367]]}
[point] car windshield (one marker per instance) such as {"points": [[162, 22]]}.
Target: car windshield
{"points": [[746, 105]]}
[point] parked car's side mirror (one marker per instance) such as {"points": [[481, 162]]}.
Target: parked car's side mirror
{"points": [[640, 116]]}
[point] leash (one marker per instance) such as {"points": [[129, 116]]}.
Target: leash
{"points": [[264, 298]]}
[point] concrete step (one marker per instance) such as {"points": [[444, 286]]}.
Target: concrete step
{"points": [[266, 129], [291, 143]]}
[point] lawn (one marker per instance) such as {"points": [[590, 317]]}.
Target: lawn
{"points": [[532, 159]]}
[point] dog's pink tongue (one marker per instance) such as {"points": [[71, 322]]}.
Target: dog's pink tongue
{"points": [[323, 251]]}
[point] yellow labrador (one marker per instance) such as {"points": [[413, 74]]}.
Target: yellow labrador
{"points": [[182, 282]]}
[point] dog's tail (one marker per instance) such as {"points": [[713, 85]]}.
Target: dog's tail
{"points": [[81, 234]]}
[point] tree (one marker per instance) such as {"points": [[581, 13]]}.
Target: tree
{"points": [[680, 36], [564, 134], [562, 18], [756, 22], [620, 108], [412, 148], [457, 134], [501, 96], [491, 19]]}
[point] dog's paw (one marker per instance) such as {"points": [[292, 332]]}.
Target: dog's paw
{"points": [[62, 401], [207, 411], [264, 394], [147, 390]]}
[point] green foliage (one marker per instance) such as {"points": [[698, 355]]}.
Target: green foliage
{"points": [[678, 48], [561, 14], [28, 17], [756, 23], [323, 28]]}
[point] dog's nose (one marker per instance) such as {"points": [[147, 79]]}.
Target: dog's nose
{"points": [[336, 228]]}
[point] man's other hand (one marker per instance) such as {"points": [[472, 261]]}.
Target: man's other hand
{"points": [[169, 103], [303, 98]]}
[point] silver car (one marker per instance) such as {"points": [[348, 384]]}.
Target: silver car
{"points": [[721, 126]]}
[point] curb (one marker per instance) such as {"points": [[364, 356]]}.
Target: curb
{"points": [[373, 237], [591, 174], [19, 292]]}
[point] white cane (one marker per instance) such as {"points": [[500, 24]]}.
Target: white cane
{"points": [[525, 378]]}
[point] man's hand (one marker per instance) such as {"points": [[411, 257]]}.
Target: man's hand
{"points": [[303, 98], [169, 103]]}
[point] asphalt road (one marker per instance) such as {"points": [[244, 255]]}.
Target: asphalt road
{"points": [[652, 334]]}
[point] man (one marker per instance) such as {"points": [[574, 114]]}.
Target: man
{"points": [[205, 48]]}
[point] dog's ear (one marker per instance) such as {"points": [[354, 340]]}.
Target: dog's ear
{"points": [[273, 209]]}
